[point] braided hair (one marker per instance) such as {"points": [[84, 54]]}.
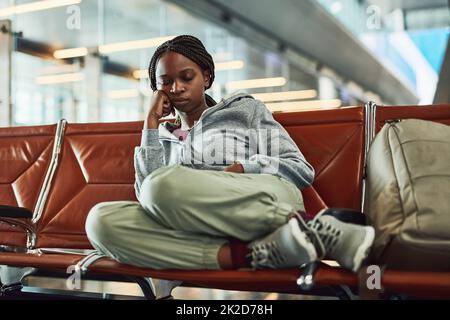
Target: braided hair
{"points": [[193, 49]]}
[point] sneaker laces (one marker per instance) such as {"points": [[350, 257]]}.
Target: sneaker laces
{"points": [[326, 235], [312, 234], [266, 255]]}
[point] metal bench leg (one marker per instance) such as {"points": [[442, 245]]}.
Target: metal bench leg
{"points": [[306, 282], [306, 279]]}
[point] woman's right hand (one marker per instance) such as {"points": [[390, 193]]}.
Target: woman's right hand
{"points": [[160, 106]]}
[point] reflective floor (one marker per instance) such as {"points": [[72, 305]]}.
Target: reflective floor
{"points": [[120, 290], [214, 294]]}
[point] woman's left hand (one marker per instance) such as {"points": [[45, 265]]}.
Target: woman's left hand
{"points": [[235, 167]]}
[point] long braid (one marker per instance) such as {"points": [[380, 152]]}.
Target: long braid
{"points": [[193, 49]]}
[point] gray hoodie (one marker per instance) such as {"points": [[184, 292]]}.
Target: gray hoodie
{"points": [[237, 129]]}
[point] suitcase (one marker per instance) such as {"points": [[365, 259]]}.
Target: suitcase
{"points": [[408, 195]]}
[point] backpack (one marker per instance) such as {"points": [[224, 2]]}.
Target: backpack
{"points": [[408, 195]]}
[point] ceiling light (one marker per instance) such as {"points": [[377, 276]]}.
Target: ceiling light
{"points": [[140, 74], [70, 53], [304, 105], [256, 83], [123, 94], [229, 65], [285, 95], [60, 78], [35, 6], [133, 45]]}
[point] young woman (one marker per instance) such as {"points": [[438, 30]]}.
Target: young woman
{"points": [[196, 192]]}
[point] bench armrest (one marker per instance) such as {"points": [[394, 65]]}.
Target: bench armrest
{"points": [[15, 212]]}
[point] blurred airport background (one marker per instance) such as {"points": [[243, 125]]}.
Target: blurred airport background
{"points": [[86, 60]]}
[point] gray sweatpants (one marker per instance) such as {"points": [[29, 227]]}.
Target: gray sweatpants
{"points": [[184, 216]]}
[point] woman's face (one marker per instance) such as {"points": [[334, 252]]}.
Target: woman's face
{"points": [[182, 80]]}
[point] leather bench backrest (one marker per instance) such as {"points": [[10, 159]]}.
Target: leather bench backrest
{"points": [[25, 155], [436, 113], [96, 165], [333, 142]]}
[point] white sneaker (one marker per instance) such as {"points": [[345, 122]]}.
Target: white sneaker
{"points": [[286, 247], [347, 243]]}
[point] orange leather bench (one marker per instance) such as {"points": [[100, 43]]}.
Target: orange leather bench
{"points": [[333, 141]]}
